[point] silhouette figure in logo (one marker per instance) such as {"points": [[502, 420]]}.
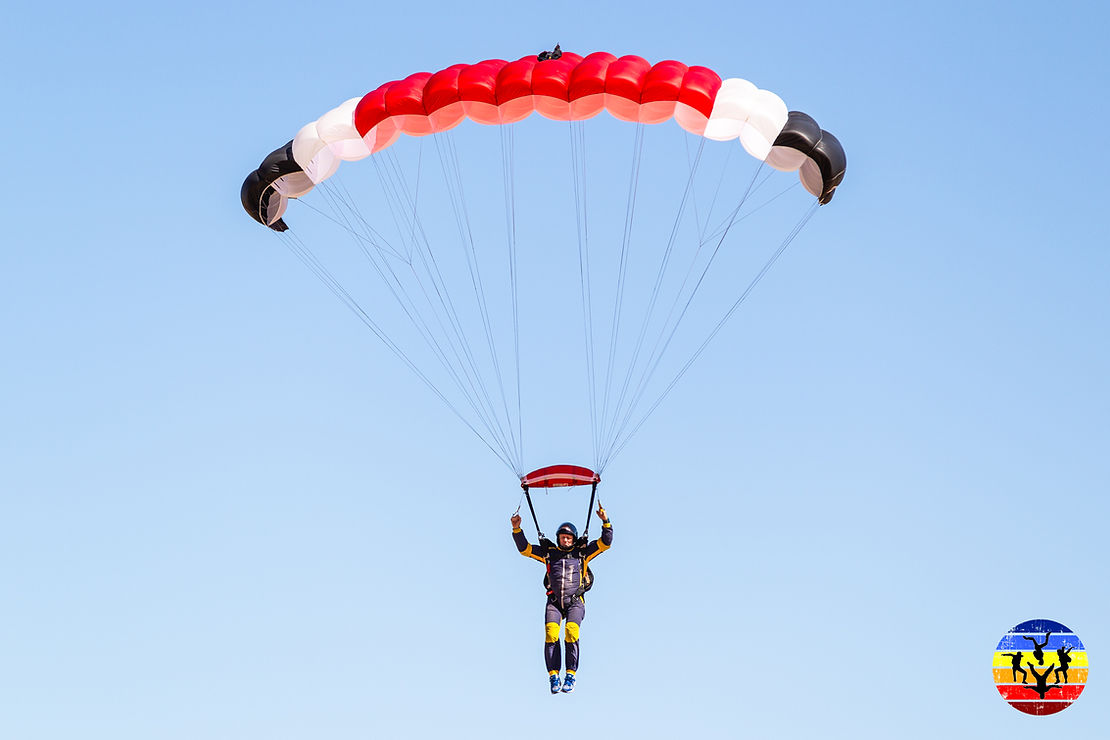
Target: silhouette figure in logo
{"points": [[1015, 666], [1038, 652], [1042, 686], [1065, 659]]}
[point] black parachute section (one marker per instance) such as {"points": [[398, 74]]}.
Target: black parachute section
{"points": [[261, 191], [802, 133]]}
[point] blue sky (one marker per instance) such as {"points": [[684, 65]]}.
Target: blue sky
{"points": [[227, 511]]}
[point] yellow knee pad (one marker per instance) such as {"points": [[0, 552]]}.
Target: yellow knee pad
{"points": [[552, 632], [572, 632]]}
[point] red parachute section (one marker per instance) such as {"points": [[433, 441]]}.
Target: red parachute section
{"points": [[570, 88]]}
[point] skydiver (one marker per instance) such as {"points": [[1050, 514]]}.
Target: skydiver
{"points": [[1063, 654], [1038, 653], [1015, 666], [1042, 687], [567, 581]]}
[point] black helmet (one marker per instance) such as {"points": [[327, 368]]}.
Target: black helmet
{"points": [[567, 528]]}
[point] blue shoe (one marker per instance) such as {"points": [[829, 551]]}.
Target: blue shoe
{"points": [[568, 684], [555, 683]]}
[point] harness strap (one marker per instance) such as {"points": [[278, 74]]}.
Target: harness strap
{"points": [[584, 580]]}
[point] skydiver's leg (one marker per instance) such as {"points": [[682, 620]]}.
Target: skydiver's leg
{"points": [[551, 656], [576, 612], [1024, 675]]}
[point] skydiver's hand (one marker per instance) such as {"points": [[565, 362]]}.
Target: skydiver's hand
{"points": [[515, 521], [602, 515]]}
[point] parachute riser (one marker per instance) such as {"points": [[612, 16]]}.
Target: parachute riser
{"points": [[589, 512], [528, 496]]}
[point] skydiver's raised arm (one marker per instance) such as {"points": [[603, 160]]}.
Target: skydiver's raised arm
{"points": [[605, 541], [522, 545]]}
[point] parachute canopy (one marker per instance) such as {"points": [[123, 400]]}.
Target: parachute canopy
{"points": [[569, 88], [497, 300]]}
